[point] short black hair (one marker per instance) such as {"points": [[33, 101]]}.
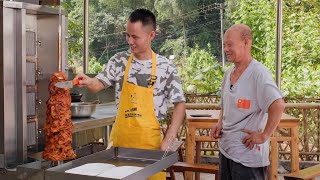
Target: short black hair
{"points": [[145, 16]]}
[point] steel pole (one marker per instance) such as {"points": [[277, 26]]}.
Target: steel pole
{"points": [[85, 36], [279, 43], [222, 35]]}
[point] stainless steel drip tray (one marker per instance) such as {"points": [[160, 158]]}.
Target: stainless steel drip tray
{"points": [[149, 160]]}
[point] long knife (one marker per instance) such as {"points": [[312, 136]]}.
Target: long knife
{"points": [[67, 84]]}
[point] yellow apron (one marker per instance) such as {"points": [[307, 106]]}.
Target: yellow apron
{"points": [[136, 124]]}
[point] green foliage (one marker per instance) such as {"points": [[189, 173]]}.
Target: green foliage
{"points": [[203, 73], [94, 66], [75, 30], [301, 48], [301, 82], [173, 8], [301, 39], [175, 47], [180, 22], [261, 17]]}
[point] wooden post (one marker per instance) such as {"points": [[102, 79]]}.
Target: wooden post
{"points": [[274, 160]]}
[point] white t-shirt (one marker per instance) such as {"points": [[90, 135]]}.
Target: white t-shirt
{"points": [[257, 86], [167, 87]]}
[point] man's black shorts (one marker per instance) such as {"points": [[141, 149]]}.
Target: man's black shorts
{"points": [[230, 170]]}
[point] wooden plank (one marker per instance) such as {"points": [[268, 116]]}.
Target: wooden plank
{"points": [[204, 168], [198, 158], [279, 139], [202, 106], [205, 139], [295, 149], [308, 173], [203, 123], [274, 160], [288, 123], [286, 120], [190, 144], [303, 105]]}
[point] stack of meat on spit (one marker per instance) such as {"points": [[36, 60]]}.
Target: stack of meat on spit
{"points": [[58, 126]]}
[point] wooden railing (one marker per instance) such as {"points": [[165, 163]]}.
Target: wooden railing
{"points": [[309, 130], [309, 127], [202, 98]]}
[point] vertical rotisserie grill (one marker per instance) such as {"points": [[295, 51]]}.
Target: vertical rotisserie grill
{"points": [[29, 56]]}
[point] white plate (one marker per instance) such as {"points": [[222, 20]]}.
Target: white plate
{"points": [[91, 169], [120, 172]]}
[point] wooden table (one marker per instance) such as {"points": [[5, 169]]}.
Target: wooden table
{"points": [[287, 121]]}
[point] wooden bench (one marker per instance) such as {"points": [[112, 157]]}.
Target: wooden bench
{"points": [[309, 173], [204, 168]]}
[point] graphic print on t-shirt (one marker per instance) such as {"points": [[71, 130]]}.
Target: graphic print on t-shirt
{"points": [[244, 103]]}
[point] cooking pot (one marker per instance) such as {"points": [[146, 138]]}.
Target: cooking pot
{"points": [[75, 97], [83, 109]]}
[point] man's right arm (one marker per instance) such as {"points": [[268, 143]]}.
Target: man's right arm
{"points": [[215, 132], [102, 81], [94, 85]]}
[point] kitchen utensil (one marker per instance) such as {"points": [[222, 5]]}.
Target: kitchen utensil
{"points": [[75, 97], [67, 84], [83, 109], [148, 160]]}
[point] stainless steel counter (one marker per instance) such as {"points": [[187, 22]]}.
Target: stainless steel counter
{"points": [[105, 115]]}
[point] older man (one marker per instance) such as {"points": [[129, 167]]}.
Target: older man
{"points": [[252, 106]]}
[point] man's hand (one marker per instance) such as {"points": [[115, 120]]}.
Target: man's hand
{"points": [[176, 121], [84, 80], [254, 137], [166, 143], [275, 111], [93, 84], [216, 131]]}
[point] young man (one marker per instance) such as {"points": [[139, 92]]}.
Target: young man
{"points": [[251, 108], [145, 83]]}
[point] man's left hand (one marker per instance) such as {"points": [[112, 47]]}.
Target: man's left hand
{"points": [[254, 137], [164, 145], [167, 143]]}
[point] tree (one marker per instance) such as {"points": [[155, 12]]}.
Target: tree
{"points": [[203, 73], [301, 39], [107, 19], [75, 27]]}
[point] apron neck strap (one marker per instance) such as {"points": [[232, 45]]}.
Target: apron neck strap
{"points": [[153, 71]]}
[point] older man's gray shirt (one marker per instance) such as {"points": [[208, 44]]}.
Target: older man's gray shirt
{"points": [[257, 86]]}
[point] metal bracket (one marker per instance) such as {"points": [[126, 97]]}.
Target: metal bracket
{"points": [[2, 161]]}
